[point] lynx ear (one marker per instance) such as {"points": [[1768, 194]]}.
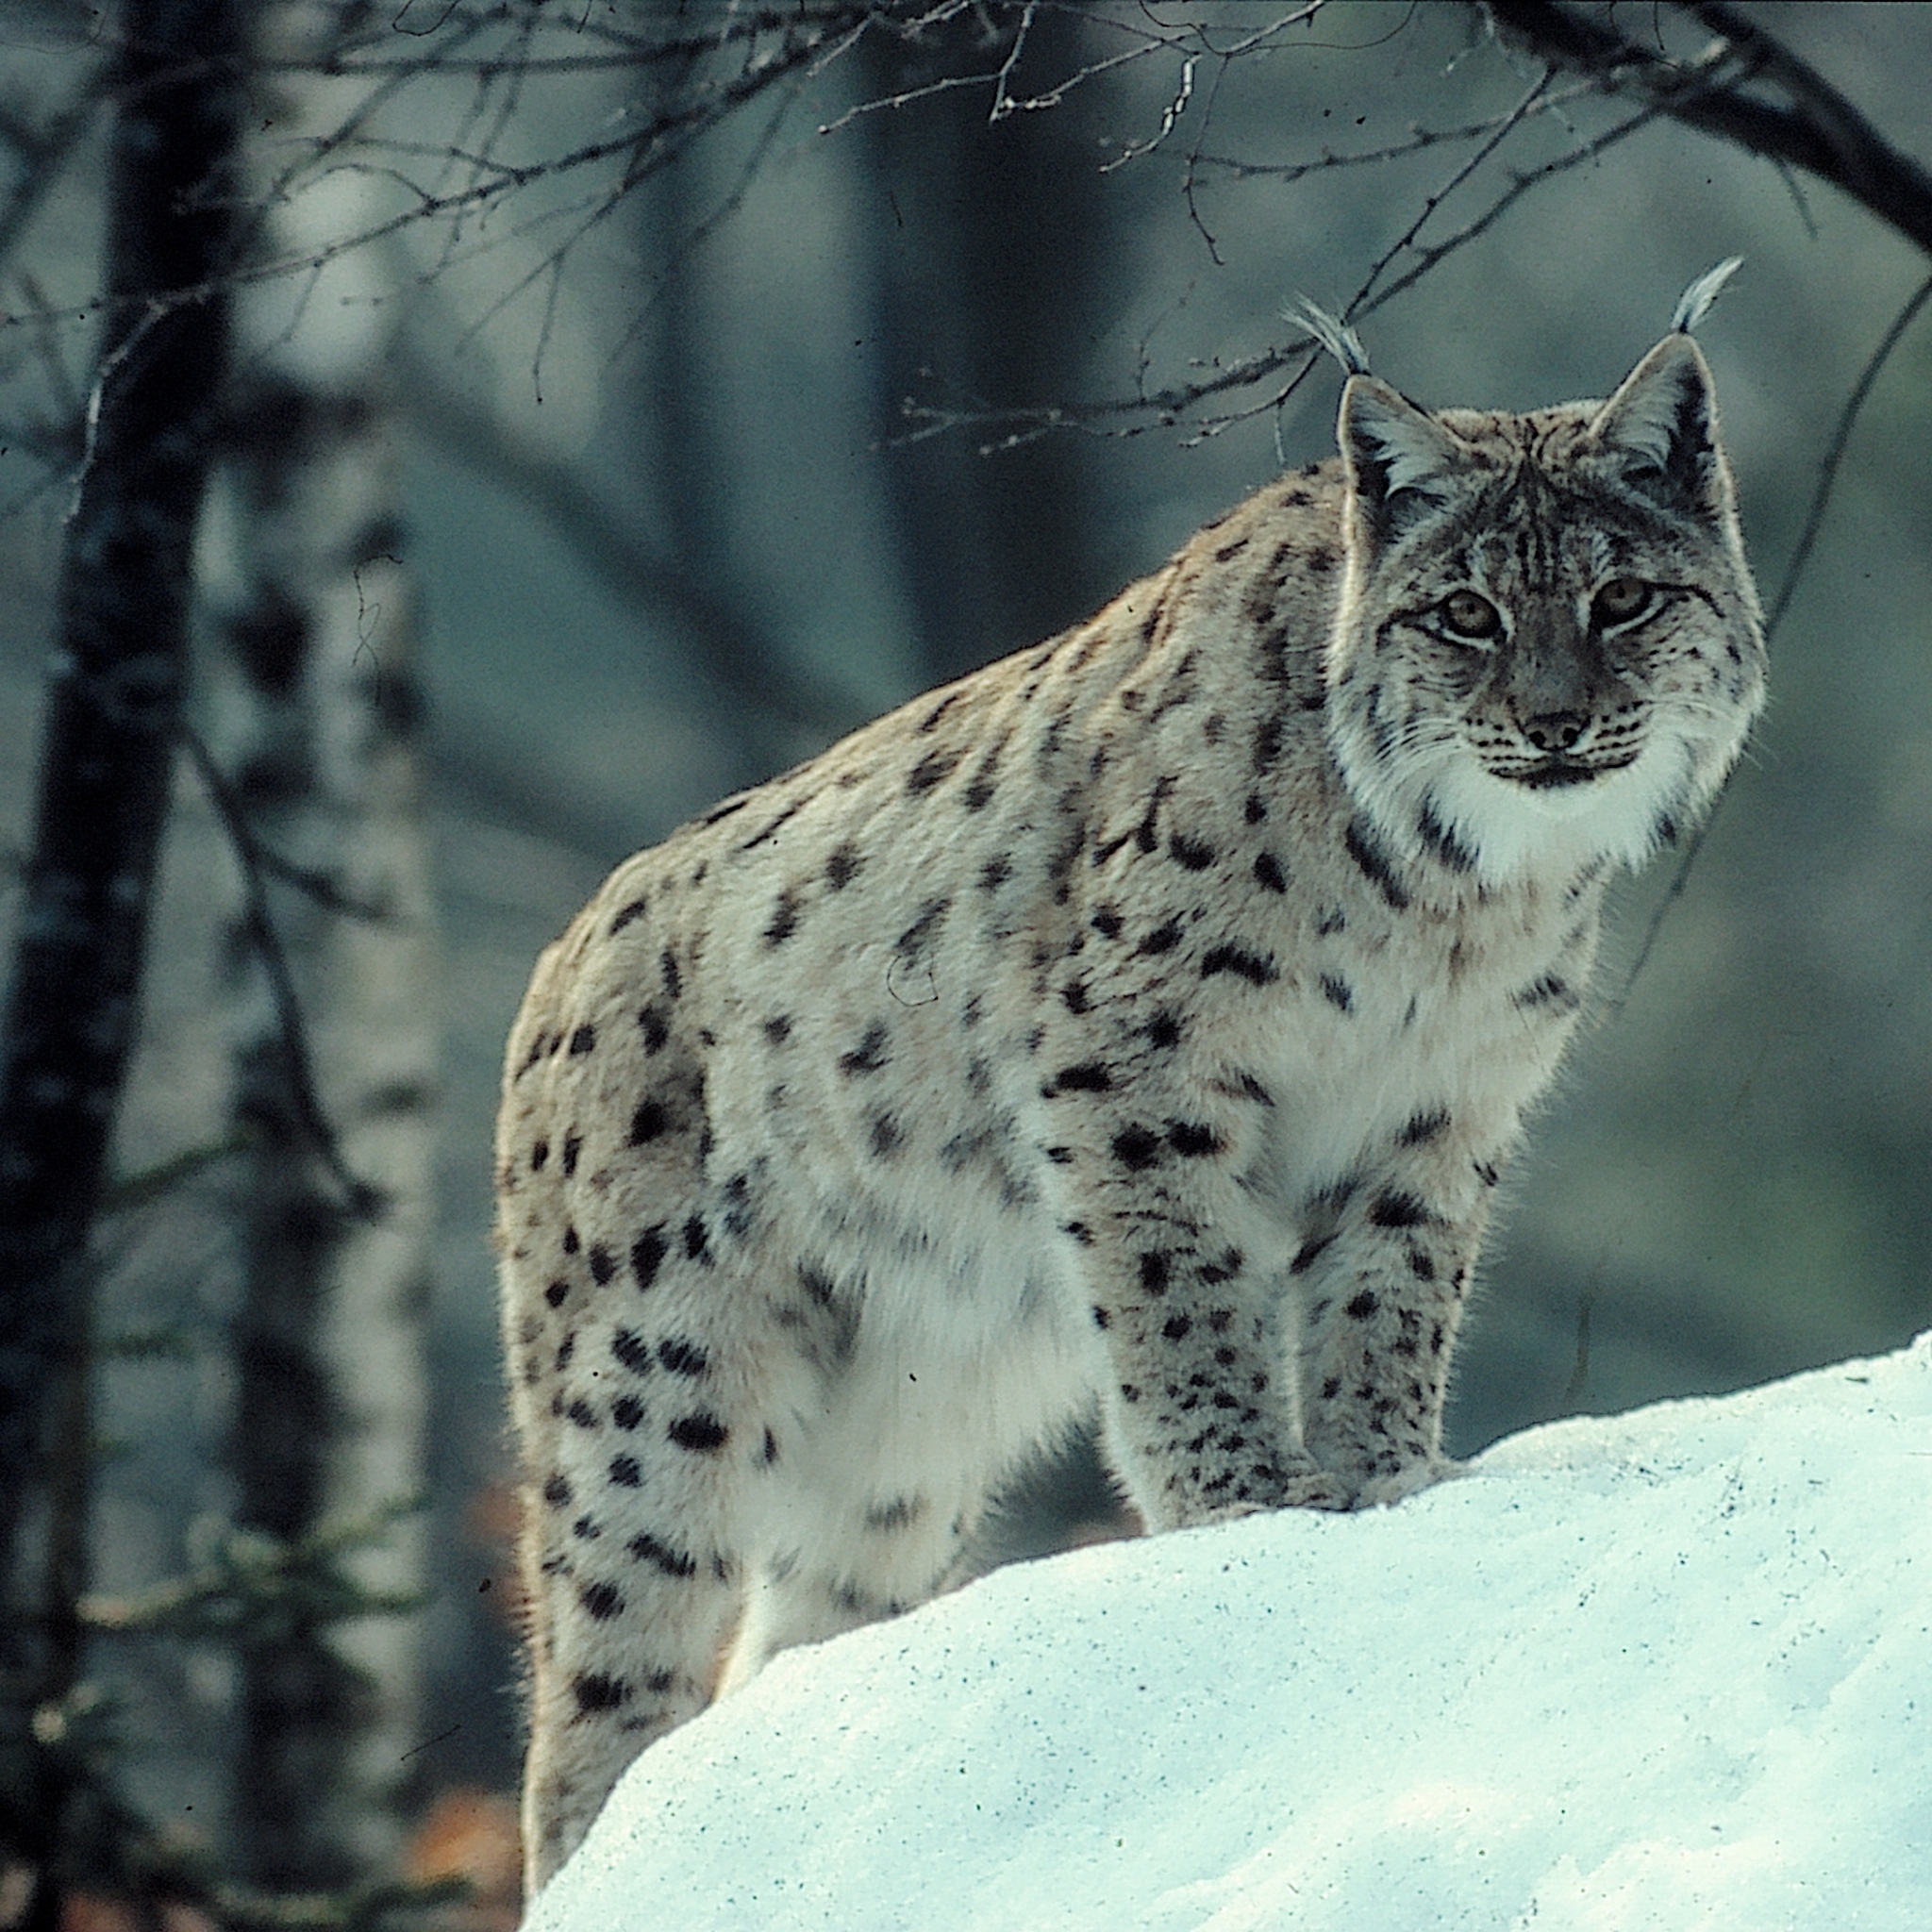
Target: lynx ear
{"points": [[1660, 431], [1391, 449]]}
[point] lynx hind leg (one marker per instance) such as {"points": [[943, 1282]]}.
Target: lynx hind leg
{"points": [[619, 1656], [633, 1443], [639, 1412]]}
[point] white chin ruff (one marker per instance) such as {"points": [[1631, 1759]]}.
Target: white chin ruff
{"points": [[1514, 829], [1508, 830]]}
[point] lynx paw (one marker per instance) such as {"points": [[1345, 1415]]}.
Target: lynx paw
{"points": [[1380, 1491]]}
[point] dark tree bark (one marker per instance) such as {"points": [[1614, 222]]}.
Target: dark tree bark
{"points": [[116, 684], [990, 251]]}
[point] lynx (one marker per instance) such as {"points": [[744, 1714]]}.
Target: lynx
{"points": [[1132, 1031]]}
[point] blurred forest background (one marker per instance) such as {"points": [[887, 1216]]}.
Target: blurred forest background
{"points": [[626, 399]]}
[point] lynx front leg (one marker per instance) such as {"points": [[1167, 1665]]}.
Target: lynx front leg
{"points": [[1201, 1411], [1385, 1264]]}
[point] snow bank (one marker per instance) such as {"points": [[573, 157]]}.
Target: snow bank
{"points": [[1666, 1670]]}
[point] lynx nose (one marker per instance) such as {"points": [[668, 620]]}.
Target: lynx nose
{"points": [[1556, 731]]}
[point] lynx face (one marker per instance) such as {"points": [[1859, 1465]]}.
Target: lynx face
{"points": [[1548, 645]]}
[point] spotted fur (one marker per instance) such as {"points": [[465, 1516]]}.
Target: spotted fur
{"points": [[1137, 1027]]}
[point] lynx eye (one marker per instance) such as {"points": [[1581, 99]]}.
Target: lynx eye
{"points": [[1620, 600], [1470, 617]]}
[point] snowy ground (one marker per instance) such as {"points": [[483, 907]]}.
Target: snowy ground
{"points": [[1667, 1670]]}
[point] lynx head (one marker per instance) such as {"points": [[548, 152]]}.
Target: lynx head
{"points": [[1548, 649]]}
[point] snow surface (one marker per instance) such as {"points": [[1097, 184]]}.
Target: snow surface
{"points": [[1668, 1669]]}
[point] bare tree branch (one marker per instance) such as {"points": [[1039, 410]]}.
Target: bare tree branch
{"points": [[359, 1197], [1812, 126]]}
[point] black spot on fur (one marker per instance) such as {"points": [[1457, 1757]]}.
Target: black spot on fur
{"points": [[1361, 1307], [626, 1411], [625, 915], [594, 1691], [1090, 1076], [1550, 989], [1422, 1126], [1397, 1209], [556, 1292], [647, 1549], [1163, 939], [633, 1351], [1163, 1030], [1373, 864], [932, 718], [1195, 854], [601, 1601], [1135, 1147], [870, 1055], [572, 1146], [784, 920], [1442, 842], [930, 771], [683, 1357], [1306, 1255], [648, 1254], [843, 866], [1176, 1326], [655, 1031], [1268, 873], [703, 1432], [695, 1239], [1256, 968], [1194, 1138], [652, 1119], [918, 936], [778, 1028], [583, 1040], [1338, 992], [1157, 1268]]}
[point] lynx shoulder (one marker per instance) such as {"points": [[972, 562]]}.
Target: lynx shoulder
{"points": [[1135, 1029]]}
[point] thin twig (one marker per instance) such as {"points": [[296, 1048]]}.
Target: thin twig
{"points": [[1834, 454], [361, 1200]]}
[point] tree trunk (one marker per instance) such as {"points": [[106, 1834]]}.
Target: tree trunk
{"points": [[315, 720], [991, 249], [118, 674]]}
